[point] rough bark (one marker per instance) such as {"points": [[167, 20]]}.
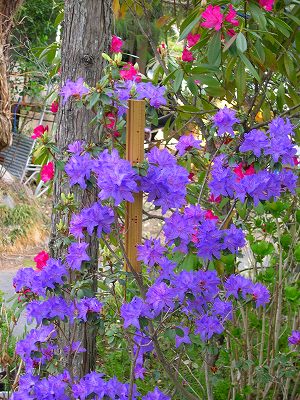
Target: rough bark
{"points": [[86, 34], [8, 9]]}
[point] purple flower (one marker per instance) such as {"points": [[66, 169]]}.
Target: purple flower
{"points": [[131, 312], [224, 120], [255, 141], [98, 216], [281, 127], [37, 340], [76, 255], [150, 252], [222, 178], [38, 282], [165, 182], [77, 224], [237, 285], [234, 239], [75, 347], [76, 147], [155, 94], [209, 240], [207, 326], [116, 177], [187, 143], [260, 294], [78, 168], [139, 371], [184, 337], [156, 395], [53, 307], [222, 309], [294, 339], [160, 297], [161, 158], [71, 88], [88, 305], [281, 147], [288, 179]]}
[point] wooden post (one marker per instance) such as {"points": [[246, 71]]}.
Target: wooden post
{"points": [[135, 136]]}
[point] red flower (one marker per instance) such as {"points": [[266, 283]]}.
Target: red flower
{"points": [[210, 215], [267, 4], [187, 55], [213, 17], [129, 73], [193, 39], [230, 17], [241, 172], [214, 199], [116, 134], [116, 44], [47, 172], [110, 120], [39, 131], [54, 107], [41, 259]]}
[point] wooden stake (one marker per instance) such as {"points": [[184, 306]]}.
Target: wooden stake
{"points": [[135, 136]]}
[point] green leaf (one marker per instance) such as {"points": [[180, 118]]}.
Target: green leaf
{"points": [[214, 50], [284, 28], [178, 80], [193, 22], [241, 43], [240, 81], [204, 68], [250, 67], [280, 98], [262, 248], [258, 16]]}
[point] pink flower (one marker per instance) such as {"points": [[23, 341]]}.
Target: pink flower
{"points": [[110, 120], [116, 44], [230, 17], [47, 172], [187, 55], [267, 4], [116, 134], [213, 17], [39, 131], [210, 215], [193, 39], [230, 32], [41, 259], [54, 107], [129, 73], [296, 161], [214, 199], [241, 172]]}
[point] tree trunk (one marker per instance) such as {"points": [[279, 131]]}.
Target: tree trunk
{"points": [[86, 34], [8, 9]]}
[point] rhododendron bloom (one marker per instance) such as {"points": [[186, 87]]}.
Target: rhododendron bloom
{"points": [[213, 17], [110, 120], [41, 259], [54, 107], [47, 172], [187, 55], [210, 215], [231, 16], [192, 39], [224, 120], [267, 4], [128, 72], [116, 44], [294, 339], [39, 131], [71, 88]]}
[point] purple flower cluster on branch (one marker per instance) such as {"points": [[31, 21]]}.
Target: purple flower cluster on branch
{"points": [[165, 181]]}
